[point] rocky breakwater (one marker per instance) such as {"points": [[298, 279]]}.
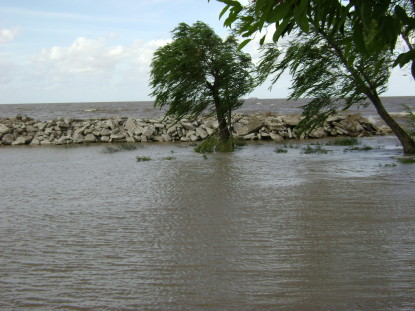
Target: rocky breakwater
{"points": [[25, 130]]}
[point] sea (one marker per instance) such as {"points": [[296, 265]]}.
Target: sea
{"points": [[82, 228], [145, 109]]}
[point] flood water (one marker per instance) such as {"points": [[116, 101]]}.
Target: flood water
{"points": [[251, 230]]}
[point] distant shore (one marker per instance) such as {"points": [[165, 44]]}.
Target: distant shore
{"points": [[23, 130]]}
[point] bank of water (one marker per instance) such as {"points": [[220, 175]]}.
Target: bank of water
{"points": [[250, 230]]}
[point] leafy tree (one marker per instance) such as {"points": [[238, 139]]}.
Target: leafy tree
{"points": [[376, 24], [198, 71], [330, 70], [333, 60]]}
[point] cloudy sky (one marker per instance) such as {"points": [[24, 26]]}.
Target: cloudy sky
{"points": [[89, 50]]}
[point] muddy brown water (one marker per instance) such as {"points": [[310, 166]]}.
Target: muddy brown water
{"points": [[251, 230]]}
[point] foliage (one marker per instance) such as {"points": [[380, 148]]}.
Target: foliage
{"points": [[281, 150], [376, 24], [316, 150], [327, 68], [364, 148], [410, 121], [120, 147], [214, 144], [347, 141], [142, 158], [407, 160], [199, 71]]}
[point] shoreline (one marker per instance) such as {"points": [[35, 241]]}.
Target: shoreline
{"points": [[23, 130]]}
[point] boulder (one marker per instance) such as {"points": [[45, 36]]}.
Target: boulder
{"points": [[8, 139], [201, 133], [291, 120], [21, 140], [90, 138], [276, 137], [4, 129]]}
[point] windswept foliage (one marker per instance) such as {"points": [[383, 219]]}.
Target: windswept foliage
{"points": [[199, 71]]}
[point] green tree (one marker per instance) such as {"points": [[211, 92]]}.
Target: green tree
{"points": [[198, 71], [335, 35], [330, 70], [376, 24]]}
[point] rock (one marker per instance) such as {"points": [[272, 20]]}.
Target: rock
{"points": [[4, 129], [201, 133], [275, 137], [249, 136], [40, 125], [244, 129], [7, 139], [35, 142], [291, 120], [90, 138], [130, 125], [166, 137], [148, 132], [105, 138], [105, 132], [21, 140], [318, 133], [211, 124], [188, 126]]}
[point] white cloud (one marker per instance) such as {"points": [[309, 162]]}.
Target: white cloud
{"points": [[7, 35]]}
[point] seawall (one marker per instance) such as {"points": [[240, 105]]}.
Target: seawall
{"points": [[25, 130]]}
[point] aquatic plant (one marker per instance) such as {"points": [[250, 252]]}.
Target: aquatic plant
{"points": [[121, 147], [407, 160], [364, 148], [317, 150], [142, 158], [346, 141], [410, 122], [281, 150], [169, 158], [214, 144]]}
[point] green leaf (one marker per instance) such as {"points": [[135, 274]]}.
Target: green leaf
{"points": [[225, 9], [243, 44], [300, 16], [280, 29]]}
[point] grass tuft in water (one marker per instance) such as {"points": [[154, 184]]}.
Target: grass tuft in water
{"points": [[142, 159], [169, 158], [317, 150], [214, 144], [409, 160], [364, 148], [281, 150], [346, 141], [120, 147]]}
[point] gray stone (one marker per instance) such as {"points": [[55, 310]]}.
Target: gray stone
{"points": [[8, 139], [105, 138], [149, 132], [35, 142], [166, 137], [130, 125], [90, 138], [276, 137], [40, 125], [4, 129], [201, 133], [105, 132], [188, 126], [291, 120], [21, 140]]}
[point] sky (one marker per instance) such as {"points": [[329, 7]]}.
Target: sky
{"points": [[54, 51]]}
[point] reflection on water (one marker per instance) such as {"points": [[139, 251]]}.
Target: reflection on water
{"points": [[253, 230]]}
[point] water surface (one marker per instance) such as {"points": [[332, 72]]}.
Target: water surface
{"points": [[251, 230]]}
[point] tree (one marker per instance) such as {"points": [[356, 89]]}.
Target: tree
{"points": [[334, 74], [198, 71], [376, 24], [354, 60]]}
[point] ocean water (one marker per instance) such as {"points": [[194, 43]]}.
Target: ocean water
{"points": [[249, 230], [145, 109]]}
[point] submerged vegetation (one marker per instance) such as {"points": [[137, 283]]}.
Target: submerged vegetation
{"points": [[316, 150], [142, 158], [121, 147], [215, 144]]}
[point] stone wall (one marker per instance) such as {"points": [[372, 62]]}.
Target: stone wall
{"points": [[25, 130]]}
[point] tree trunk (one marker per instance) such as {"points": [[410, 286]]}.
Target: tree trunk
{"points": [[407, 142], [224, 133]]}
